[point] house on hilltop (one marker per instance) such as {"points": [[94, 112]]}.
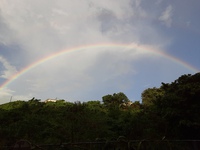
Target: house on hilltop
{"points": [[50, 100]]}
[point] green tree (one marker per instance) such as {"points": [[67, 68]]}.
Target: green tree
{"points": [[115, 100], [150, 95], [180, 106]]}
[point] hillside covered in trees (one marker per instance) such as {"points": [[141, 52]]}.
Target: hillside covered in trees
{"points": [[170, 112]]}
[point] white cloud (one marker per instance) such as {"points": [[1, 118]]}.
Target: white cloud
{"points": [[9, 70], [45, 27], [7, 95], [166, 16], [6, 92]]}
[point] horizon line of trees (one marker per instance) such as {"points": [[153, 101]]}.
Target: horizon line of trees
{"points": [[170, 112]]}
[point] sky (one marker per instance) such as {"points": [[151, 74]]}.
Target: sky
{"points": [[82, 50]]}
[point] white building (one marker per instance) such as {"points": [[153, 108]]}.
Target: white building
{"points": [[50, 100]]}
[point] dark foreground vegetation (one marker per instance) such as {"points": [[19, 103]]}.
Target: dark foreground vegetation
{"points": [[167, 118]]}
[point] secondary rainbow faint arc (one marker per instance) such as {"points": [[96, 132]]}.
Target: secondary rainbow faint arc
{"points": [[124, 46]]}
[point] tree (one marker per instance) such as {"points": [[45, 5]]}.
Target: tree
{"points": [[180, 106], [115, 100], [150, 95]]}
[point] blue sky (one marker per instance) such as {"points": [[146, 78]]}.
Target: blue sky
{"points": [[32, 30]]}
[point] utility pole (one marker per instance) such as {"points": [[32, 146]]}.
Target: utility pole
{"points": [[10, 98]]}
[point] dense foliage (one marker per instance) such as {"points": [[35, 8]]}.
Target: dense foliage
{"points": [[170, 112]]}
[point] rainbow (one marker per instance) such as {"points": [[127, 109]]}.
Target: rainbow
{"points": [[80, 48]]}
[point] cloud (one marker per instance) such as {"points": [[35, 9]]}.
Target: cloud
{"points": [[6, 92], [9, 70], [41, 28], [8, 95], [166, 16]]}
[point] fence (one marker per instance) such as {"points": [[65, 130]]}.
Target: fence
{"points": [[110, 145]]}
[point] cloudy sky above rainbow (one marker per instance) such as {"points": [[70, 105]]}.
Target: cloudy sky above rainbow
{"points": [[82, 50]]}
